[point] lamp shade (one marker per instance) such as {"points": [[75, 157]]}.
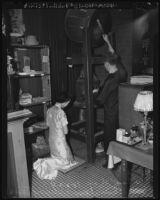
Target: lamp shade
{"points": [[144, 101]]}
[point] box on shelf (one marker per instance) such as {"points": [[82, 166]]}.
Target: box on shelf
{"points": [[40, 150]]}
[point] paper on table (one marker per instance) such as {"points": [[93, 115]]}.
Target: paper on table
{"points": [[113, 159]]}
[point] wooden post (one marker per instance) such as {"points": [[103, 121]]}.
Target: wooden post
{"points": [[87, 64], [17, 172]]}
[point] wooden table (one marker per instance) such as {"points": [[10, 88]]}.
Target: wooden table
{"points": [[139, 154]]}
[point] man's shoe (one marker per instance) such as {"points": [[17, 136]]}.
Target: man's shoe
{"points": [[105, 165]]}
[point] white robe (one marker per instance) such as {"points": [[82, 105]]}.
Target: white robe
{"points": [[61, 156]]}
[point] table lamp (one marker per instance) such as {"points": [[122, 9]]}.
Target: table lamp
{"points": [[144, 103]]}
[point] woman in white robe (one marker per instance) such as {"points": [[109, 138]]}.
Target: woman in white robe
{"points": [[57, 122], [61, 155]]}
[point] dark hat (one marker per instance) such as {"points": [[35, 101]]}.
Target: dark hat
{"points": [[63, 97]]}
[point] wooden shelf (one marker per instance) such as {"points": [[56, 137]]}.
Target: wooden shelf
{"points": [[30, 75], [28, 46], [37, 101], [79, 60], [83, 137], [19, 114], [34, 131], [77, 131], [82, 105], [36, 128]]}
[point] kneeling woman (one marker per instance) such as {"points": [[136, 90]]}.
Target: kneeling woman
{"points": [[61, 156]]}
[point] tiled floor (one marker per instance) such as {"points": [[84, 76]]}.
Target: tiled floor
{"points": [[89, 181]]}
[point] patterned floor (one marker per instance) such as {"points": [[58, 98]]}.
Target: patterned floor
{"points": [[90, 181]]}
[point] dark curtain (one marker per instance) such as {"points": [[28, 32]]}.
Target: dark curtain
{"points": [[48, 27]]}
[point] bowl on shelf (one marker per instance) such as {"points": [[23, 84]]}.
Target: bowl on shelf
{"points": [[31, 40], [150, 141]]}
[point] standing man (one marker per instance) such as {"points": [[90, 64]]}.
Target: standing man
{"points": [[108, 94]]}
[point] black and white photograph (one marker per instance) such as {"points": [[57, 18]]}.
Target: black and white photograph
{"points": [[79, 91]]}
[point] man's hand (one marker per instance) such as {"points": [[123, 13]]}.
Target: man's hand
{"points": [[106, 39], [95, 90]]}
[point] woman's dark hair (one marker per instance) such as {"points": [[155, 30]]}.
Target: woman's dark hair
{"points": [[112, 58], [63, 97]]}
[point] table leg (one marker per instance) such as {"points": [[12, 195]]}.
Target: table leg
{"points": [[124, 175]]}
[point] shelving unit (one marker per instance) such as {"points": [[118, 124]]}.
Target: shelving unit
{"points": [[89, 130], [36, 82]]}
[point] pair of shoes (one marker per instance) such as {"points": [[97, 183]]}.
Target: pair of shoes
{"points": [[99, 148]]}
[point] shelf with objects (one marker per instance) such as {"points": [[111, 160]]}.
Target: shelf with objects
{"points": [[86, 32], [32, 77]]}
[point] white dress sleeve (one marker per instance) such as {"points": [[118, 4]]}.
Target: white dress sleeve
{"points": [[63, 118]]}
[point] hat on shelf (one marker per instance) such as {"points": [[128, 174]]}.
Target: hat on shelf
{"points": [[31, 40]]}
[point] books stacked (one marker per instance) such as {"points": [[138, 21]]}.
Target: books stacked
{"points": [[141, 79]]}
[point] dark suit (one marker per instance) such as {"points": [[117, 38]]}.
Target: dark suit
{"points": [[108, 97]]}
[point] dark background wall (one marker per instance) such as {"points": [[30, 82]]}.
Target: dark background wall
{"points": [[48, 26]]}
